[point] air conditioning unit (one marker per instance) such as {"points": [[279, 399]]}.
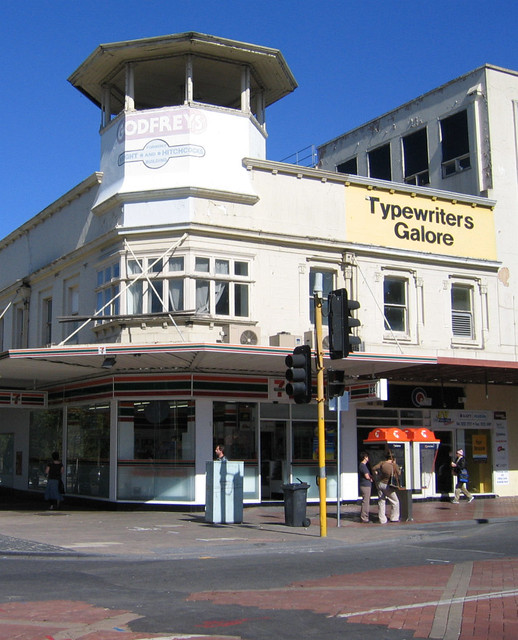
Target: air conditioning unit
{"points": [[283, 339], [238, 334], [309, 338]]}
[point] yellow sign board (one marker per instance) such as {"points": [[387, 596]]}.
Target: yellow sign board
{"points": [[419, 223], [479, 443]]}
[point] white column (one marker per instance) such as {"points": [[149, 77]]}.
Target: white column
{"points": [[245, 89], [260, 108], [106, 106], [203, 443], [189, 83], [129, 104]]}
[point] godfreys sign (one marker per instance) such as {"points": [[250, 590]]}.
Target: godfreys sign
{"points": [[419, 223]]}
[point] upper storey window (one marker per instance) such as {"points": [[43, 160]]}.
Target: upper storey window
{"points": [[107, 291], [415, 155], [349, 166], [455, 144], [379, 163], [222, 286]]}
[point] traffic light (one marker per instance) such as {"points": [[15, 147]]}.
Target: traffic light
{"points": [[298, 374], [335, 383], [341, 341]]}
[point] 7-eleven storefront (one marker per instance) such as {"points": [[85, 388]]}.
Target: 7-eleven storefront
{"points": [[139, 430]]}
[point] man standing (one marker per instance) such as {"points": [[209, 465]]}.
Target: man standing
{"points": [[365, 482], [220, 453], [460, 470]]}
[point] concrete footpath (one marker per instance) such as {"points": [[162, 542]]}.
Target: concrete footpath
{"points": [[474, 600], [32, 528]]}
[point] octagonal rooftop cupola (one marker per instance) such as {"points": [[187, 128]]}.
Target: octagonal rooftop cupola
{"points": [[181, 111]]}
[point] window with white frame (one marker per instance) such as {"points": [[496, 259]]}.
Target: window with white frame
{"points": [[72, 308], [395, 304], [19, 337], [155, 285], [222, 286], [46, 321], [328, 285], [462, 311], [107, 291]]}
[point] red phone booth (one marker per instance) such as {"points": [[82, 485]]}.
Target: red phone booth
{"points": [[415, 451], [424, 447]]}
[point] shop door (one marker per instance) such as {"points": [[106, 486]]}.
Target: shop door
{"points": [[273, 459], [6, 459], [443, 473]]}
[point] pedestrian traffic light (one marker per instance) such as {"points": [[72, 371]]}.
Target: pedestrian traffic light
{"points": [[335, 383], [298, 374], [341, 341]]}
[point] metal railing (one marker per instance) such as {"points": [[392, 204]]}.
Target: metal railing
{"points": [[307, 157]]}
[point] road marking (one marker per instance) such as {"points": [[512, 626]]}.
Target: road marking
{"points": [[219, 539], [81, 545], [509, 593]]}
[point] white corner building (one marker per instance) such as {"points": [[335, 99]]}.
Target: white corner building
{"points": [[145, 316]]}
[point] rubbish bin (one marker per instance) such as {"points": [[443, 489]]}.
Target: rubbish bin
{"points": [[295, 497], [405, 505]]}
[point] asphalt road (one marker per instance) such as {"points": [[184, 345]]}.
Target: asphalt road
{"points": [[258, 595]]}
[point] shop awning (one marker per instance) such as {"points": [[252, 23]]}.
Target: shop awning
{"points": [[44, 367]]}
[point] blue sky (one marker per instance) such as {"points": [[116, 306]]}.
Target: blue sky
{"points": [[353, 60]]}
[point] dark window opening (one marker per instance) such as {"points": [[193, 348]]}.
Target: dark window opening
{"points": [[415, 152], [455, 144], [349, 166], [379, 163]]}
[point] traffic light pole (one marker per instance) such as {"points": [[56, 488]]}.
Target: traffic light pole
{"points": [[317, 297]]}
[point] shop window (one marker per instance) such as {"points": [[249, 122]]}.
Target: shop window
{"points": [[45, 436], [6, 459], [455, 144], [235, 426], [379, 163], [462, 311], [395, 307], [328, 285], [156, 450], [415, 156], [88, 452], [349, 166]]}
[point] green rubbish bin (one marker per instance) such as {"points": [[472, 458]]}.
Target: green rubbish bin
{"points": [[295, 498]]}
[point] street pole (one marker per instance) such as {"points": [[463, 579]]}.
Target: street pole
{"points": [[317, 297]]}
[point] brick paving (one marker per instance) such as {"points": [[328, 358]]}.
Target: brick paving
{"points": [[465, 601], [70, 620]]}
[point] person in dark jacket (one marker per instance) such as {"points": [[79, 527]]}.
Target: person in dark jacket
{"points": [[461, 473], [365, 484], [54, 472]]}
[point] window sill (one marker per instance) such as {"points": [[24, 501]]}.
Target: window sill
{"points": [[465, 343]]}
